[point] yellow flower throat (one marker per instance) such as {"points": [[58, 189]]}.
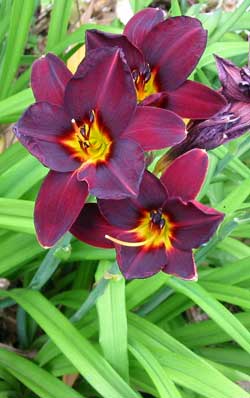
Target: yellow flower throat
{"points": [[88, 141]]}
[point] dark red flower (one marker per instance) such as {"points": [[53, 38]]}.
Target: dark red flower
{"points": [[88, 129], [161, 55], [158, 229]]}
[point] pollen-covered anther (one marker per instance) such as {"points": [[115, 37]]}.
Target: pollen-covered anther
{"points": [[157, 218]]}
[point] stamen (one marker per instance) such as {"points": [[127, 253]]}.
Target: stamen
{"points": [[135, 74], [124, 243], [74, 125], [162, 223], [83, 131], [91, 116]]}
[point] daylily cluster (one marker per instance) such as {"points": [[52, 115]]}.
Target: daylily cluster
{"points": [[92, 129]]}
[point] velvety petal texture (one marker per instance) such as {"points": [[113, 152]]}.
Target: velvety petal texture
{"points": [[181, 264], [192, 223], [91, 227], [137, 262], [39, 130], [58, 204], [49, 77], [155, 128], [185, 175], [96, 39], [120, 176], [195, 101], [174, 48], [103, 83], [141, 24]]}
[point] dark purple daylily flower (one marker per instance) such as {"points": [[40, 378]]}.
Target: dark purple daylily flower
{"points": [[158, 229], [229, 123], [89, 131], [161, 55]]}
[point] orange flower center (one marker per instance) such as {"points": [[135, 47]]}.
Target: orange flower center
{"points": [[154, 230], [88, 141], [145, 83]]}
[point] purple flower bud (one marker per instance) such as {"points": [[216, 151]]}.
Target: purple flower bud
{"points": [[226, 125], [235, 81]]}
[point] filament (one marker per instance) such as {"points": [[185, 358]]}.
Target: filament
{"points": [[124, 243]]}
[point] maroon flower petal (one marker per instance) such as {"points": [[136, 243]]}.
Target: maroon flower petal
{"points": [[174, 48], [139, 262], [158, 100], [97, 39], [91, 227], [122, 214], [195, 101], [235, 81], [192, 223], [181, 264], [155, 128], [142, 22], [185, 175], [58, 204], [106, 86], [39, 130], [120, 176], [49, 77], [125, 213]]}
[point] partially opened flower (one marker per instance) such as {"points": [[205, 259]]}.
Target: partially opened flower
{"points": [[235, 81], [88, 130], [161, 55], [229, 123], [158, 229]]}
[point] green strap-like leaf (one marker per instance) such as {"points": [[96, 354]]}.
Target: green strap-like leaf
{"points": [[36, 379], [89, 363]]}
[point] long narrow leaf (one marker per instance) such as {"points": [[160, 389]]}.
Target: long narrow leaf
{"points": [[76, 348]]}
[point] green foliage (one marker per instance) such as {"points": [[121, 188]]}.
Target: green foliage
{"points": [[75, 313]]}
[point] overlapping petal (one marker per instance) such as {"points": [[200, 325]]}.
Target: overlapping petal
{"points": [[137, 262], [185, 175], [91, 227], [120, 176], [192, 223], [97, 39], [181, 264], [174, 48], [103, 83], [141, 24], [195, 101], [39, 130], [155, 128], [49, 77], [58, 204], [235, 81], [125, 214]]}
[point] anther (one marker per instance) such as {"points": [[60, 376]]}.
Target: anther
{"points": [[135, 74], [146, 73], [91, 116], [74, 125], [83, 131], [162, 223], [156, 218]]}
